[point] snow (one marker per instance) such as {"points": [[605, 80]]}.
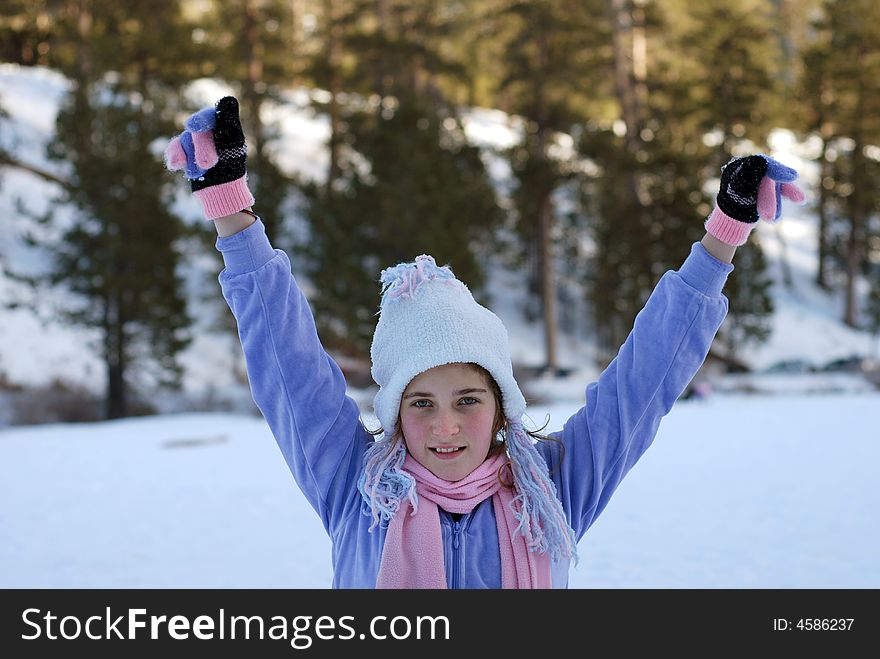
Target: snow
{"points": [[782, 497], [40, 348], [785, 497]]}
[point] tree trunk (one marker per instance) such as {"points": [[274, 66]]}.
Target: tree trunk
{"points": [[335, 89], [630, 65], [787, 277], [115, 393], [114, 333], [629, 46], [824, 251], [854, 241], [84, 19], [383, 82], [548, 281], [545, 221], [858, 213], [253, 100], [850, 313], [84, 66], [294, 42]]}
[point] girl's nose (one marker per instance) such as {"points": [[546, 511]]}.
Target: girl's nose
{"points": [[445, 425]]}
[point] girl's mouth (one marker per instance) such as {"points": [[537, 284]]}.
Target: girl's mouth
{"points": [[447, 452]]}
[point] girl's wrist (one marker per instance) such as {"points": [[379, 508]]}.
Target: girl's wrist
{"points": [[720, 250], [232, 224]]}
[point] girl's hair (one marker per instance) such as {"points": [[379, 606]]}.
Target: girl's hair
{"points": [[382, 455]]}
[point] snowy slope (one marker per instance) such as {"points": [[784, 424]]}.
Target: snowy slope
{"points": [[35, 349]]}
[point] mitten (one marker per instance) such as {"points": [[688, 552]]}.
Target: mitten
{"points": [[751, 188], [213, 153]]}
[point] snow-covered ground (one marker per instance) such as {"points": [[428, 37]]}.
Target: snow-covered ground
{"points": [[736, 492]]}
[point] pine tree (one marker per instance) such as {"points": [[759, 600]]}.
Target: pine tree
{"points": [[635, 244], [731, 82], [120, 254], [643, 196], [871, 308], [117, 257], [708, 70], [402, 178], [26, 33], [751, 296], [253, 49], [377, 49], [815, 86], [729, 63], [424, 191], [553, 77], [850, 31]]}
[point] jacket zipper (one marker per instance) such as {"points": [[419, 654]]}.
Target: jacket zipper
{"points": [[456, 543]]}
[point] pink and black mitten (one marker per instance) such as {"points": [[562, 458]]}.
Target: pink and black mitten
{"points": [[751, 189], [213, 153]]}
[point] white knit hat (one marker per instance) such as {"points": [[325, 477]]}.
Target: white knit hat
{"points": [[429, 318]]}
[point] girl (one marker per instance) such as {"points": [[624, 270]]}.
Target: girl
{"points": [[456, 493]]}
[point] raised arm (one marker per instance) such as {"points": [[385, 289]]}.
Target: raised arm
{"points": [[670, 339], [298, 387], [669, 342]]}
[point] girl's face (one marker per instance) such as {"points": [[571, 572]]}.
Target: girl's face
{"points": [[447, 416]]}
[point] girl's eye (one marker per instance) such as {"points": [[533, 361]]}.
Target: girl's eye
{"points": [[466, 401]]}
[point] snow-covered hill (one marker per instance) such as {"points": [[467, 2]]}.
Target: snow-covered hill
{"points": [[36, 349]]}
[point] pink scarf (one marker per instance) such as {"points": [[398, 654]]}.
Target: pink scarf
{"points": [[413, 553]]}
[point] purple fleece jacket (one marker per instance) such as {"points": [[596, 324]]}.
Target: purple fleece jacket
{"points": [[302, 394]]}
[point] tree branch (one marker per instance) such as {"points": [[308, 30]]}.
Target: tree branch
{"points": [[5, 159]]}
